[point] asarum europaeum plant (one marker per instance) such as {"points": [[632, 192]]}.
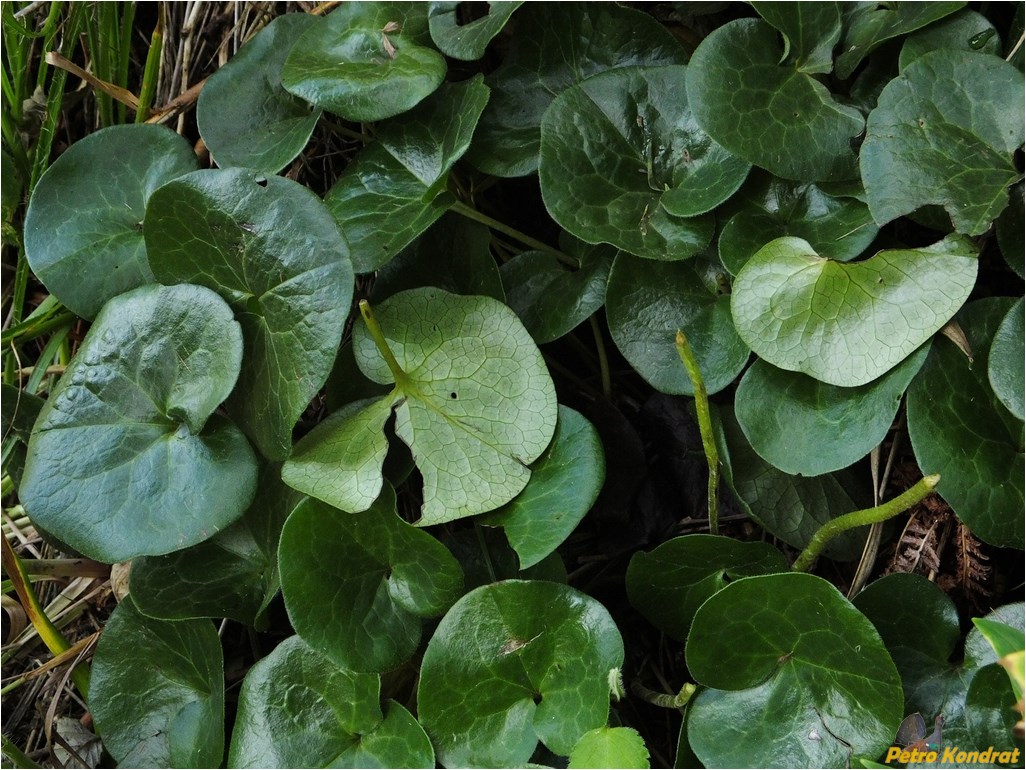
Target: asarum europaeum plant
{"points": [[824, 198]]}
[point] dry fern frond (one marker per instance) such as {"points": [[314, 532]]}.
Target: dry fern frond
{"points": [[972, 573]]}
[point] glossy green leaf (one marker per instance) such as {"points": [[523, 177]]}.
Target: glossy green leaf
{"points": [[963, 31], [623, 162], [330, 718], [245, 115], [385, 574], [960, 430], [870, 24], [838, 227], [469, 40], [475, 404], [1010, 229], [366, 61], [556, 46], [802, 678], [268, 246], [847, 324], [157, 691], [610, 747], [395, 189], [565, 482], [552, 299], [1003, 638], [790, 507], [513, 663], [234, 574], [453, 254], [944, 133], [647, 302], [805, 427], [1007, 361], [126, 457], [769, 114], [668, 584], [83, 228], [810, 30]]}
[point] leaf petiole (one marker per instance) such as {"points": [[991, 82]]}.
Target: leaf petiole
{"points": [[379, 339], [712, 456]]}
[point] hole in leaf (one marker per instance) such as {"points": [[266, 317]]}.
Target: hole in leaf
{"points": [[468, 12], [261, 181], [453, 395]]}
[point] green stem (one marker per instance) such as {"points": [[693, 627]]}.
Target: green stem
{"points": [[712, 456], [149, 81], [862, 518], [470, 213], [479, 531], [18, 757], [600, 347], [379, 339], [663, 700]]}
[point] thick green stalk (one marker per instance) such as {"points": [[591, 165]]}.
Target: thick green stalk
{"points": [[712, 455], [470, 213], [379, 339], [150, 73], [863, 518]]}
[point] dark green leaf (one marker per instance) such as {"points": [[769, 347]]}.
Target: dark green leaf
{"points": [[467, 41], [486, 557], [366, 61], [1010, 229], [123, 459], [806, 427], [960, 430], [647, 302], [960, 31], [558, 45], [385, 576], [802, 678], [771, 115], [810, 30], [565, 482], [157, 691], [669, 584], [20, 410], [847, 324], [623, 162], [610, 747], [268, 246], [245, 115], [1007, 361], [513, 663], [83, 228], [943, 133]]}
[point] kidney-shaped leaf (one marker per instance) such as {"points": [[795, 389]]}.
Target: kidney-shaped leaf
{"points": [[467, 41], [513, 663], [157, 691], [123, 460], [772, 115], [245, 115], [83, 227], [960, 430], [366, 61], [269, 247], [847, 324], [385, 574], [610, 747], [943, 133], [966, 31], [800, 677], [623, 162], [669, 584], [810, 30], [1005, 363]]}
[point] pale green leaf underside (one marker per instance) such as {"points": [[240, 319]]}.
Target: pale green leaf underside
{"points": [[610, 747]]}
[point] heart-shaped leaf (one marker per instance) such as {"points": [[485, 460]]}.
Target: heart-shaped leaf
{"points": [[960, 430], [623, 162], [810, 30], [646, 303], [1005, 364], [944, 133], [610, 747], [565, 482], [83, 227], [245, 115], [269, 247], [366, 61], [395, 189], [789, 639], [513, 663], [770, 114], [840, 227], [966, 31], [473, 400], [669, 584], [234, 574], [557, 46], [157, 691], [551, 299], [331, 717], [387, 575], [467, 41], [126, 458], [847, 324], [805, 427]]}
